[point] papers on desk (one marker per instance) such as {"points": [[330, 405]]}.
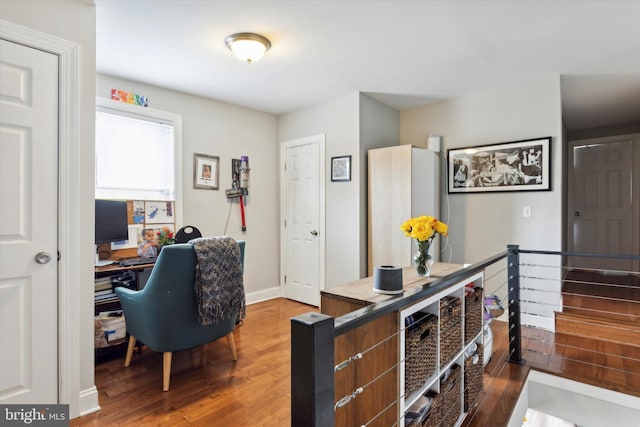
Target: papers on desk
{"points": [[135, 230]]}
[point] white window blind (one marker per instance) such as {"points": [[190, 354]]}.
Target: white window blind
{"points": [[135, 157]]}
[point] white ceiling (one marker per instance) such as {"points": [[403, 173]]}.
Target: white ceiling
{"points": [[403, 53]]}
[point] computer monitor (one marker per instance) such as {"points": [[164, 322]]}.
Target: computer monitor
{"points": [[111, 225], [111, 221]]}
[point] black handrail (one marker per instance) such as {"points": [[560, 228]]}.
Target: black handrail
{"points": [[366, 314], [580, 254], [313, 334]]}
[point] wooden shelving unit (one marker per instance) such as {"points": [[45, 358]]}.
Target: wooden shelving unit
{"points": [[441, 305], [382, 343]]}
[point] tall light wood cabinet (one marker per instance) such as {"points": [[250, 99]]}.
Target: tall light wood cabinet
{"points": [[402, 183]]}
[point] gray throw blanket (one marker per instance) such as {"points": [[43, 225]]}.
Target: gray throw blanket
{"points": [[219, 286]]}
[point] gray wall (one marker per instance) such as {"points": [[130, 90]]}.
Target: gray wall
{"points": [[379, 127], [40, 16], [338, 120], [621, 129], [228, 131], [352, 124], [483, 224]]}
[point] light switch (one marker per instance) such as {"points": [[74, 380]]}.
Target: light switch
{"points": [[526, 211]]}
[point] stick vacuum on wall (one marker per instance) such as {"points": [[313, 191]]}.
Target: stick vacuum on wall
{"points": [[240, 183]]}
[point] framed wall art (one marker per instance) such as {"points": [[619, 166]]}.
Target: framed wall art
{"points": [[341, 168], [510, 166], [205, 171]]}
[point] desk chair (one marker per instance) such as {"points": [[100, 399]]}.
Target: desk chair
{"points": [[186, 233], [164, 315]]}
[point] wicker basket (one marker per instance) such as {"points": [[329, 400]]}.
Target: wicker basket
{"points": [[420, 353], [472, 315], [451, 398], [434, 418], [450, 328], [447, 405], [473, 379]]}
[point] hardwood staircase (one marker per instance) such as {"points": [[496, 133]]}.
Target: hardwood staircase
{"points": [[598, 330], [600, 306]]}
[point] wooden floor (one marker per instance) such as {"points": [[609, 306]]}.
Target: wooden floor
{"points": [[579, 359], [255, 391]]}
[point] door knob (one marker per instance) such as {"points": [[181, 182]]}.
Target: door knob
{"points": [[314, 232], [43, 257]]}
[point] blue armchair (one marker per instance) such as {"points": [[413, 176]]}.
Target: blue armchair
{"points": [[164, 315]]}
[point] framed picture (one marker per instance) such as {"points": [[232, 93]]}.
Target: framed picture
{"points": [[510, 166], [341, 168], [205, 171]]}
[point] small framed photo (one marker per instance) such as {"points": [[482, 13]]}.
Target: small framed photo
{"points": [[341, 168], [509, 166], [205, 171]]}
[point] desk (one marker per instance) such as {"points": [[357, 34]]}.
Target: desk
{"points": [[111, 302], [111, 268], [141, 273], [381, 360]]}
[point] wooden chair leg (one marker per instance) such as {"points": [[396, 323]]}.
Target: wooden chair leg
{"points": [[232, 346], [166, 370], [130, 348], [203, 361]]}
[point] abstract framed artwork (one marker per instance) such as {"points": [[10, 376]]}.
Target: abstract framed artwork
{"points": [[341, 168], [510, 166]]}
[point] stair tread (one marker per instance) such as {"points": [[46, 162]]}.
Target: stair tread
{"points": [[606, 313], [600, 320], [624, 286]]}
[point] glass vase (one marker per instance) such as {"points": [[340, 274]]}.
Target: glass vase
{"points": [[423, 260]]}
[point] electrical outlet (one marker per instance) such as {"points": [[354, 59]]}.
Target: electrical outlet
{"points": [[526, 211]]}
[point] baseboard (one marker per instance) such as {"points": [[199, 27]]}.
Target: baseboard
{"points": [[547, 323], [263, 295], [89, 401]]}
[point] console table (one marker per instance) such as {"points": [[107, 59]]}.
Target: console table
{"points": [[382, 342]]}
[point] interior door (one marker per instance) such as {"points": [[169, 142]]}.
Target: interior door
{"points": [[302, 228], [28, 225], [602, 214]]}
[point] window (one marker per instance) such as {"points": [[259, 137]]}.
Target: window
{"points": [[138, 152]]}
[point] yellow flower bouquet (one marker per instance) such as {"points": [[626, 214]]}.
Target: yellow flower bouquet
{"points": [[424, 229]]}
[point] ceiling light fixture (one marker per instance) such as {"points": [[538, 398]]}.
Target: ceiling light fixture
{"points": [[249, 47]]}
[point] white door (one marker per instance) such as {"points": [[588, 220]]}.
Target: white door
{"points": [[28, 225], [302, 222], [602, 211]]}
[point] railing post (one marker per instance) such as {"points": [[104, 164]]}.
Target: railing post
{"points": [[513, 283], [312, 375]]}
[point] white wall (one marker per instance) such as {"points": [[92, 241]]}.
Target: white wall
{"points": [[78, 26], [483, 224], [228, 131], [338, 120], [379, 127]]}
